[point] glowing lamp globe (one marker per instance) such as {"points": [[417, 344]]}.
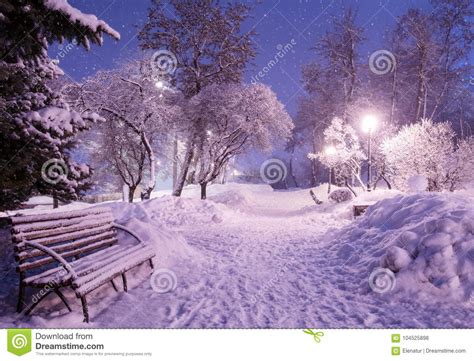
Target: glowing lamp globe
{"points": [[369, 124], [330, 150]]}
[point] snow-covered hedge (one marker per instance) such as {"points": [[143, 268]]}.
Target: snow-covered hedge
{"points": [[430, 150]]}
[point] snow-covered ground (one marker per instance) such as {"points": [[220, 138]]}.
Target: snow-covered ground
{"points": [[253, 257]]}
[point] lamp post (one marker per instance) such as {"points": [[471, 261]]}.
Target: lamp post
{"points": [[329, 151], [369, 123]]}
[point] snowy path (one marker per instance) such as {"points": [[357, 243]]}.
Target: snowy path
{"points": [[264, 265]]}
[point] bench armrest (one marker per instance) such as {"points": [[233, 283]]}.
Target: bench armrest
{"points": [[129, 231], [54, 255]]}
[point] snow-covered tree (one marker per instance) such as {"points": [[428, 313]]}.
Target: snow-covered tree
{"points": [[130, 97], [235, 118], [331, 82], [345, 154], [429, 149], [37, 127], [198, 43]]}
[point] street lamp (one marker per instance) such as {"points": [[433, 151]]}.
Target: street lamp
{"points": [[369, 124], [330, 151]]}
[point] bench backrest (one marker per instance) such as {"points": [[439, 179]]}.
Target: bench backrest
{"points": [[70, 234]]}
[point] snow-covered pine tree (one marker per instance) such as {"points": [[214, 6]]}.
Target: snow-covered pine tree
{"points": [[37, 127]]}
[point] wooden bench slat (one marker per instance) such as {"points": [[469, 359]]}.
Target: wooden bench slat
{"points": [[36, 233], [44, 225], [58, 238], [67, 246], [78, 265], [47, 260], [138, 253], [33, 218], [110, 274], [47, 241]]}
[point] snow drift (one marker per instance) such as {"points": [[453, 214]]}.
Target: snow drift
{"points": [[426, 239], [151, 221]]}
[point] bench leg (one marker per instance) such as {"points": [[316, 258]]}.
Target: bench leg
{"points": [[124, 279], [113, 284], [21, 297], [32, 306], [61, 296], [85, 309]]}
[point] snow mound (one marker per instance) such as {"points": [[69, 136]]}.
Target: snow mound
{"points": [[232, 198], [153, 221], [426, 239], [178, 211], [341, 195]]}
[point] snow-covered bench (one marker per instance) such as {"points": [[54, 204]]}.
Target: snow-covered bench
{"points": [[359, 209], [77, 249]]}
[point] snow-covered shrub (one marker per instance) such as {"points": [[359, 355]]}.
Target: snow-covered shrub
{"points": [[346, 155], [429, 149], [341, 195]]}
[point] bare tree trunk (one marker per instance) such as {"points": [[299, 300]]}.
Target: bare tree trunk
{"points": [[350, 187], [389, 185], [131, 193], [295, 182], [394, 89], [146, 193], [175, 161], [421, 93], [184, 169], [203, 190]]}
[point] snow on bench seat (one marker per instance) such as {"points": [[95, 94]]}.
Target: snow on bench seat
{"points": [[84, 246]]}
